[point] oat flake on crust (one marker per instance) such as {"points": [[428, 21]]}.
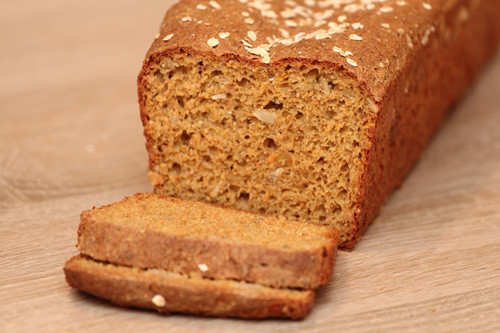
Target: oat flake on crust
{"points": [[298, 20]]}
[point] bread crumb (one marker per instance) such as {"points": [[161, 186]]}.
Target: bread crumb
{"points": [[270, 14], [260, 52], [355, 37], [213, 42], [159, 300], [252, 35], [342, 52], [265, 116], [409, 42], [288, 13], [357, 25], [219, 96], [247, 44], [214, 4], [386, 9], [276, 173], [284, 33], [319, 23], [425, 38], [203, 267], [352, 62]]}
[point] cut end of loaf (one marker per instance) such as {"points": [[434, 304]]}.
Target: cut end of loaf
{"points": [[288, 140]]}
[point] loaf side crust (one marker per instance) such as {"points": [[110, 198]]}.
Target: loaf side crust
{"points": [[174, 293], [466, 34], [138, 245]]}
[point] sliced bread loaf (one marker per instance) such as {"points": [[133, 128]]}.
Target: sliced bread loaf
{"points": [[170, 292], [153, 231], [311, 110]]}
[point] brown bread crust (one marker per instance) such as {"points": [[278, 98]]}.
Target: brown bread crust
{"points": [[420, 96], [168, 292], [139, 245], [415, 64]]}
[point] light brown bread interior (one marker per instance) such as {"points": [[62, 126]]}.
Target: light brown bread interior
{"points": [[283, 140], [201, 221]]}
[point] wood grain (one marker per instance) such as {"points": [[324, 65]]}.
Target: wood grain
{"points": [[70, 138]]}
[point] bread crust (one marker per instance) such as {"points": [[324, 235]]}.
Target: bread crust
{"points": [[174, 293], [430, 53], [140, 246], [421, 95]]}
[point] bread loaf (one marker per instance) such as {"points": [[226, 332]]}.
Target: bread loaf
{"points": [[169, 292], [313, 110], [151, 231]]}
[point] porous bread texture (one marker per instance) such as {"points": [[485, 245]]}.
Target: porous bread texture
{"points": [[152, 231], [201, 221], [168, 292], [285, 140], [313, 110]]}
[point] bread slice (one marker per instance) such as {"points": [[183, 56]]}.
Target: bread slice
{"points": [[312, 110], [169, 292], [152, 231]]}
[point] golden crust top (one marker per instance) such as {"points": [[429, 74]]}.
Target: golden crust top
{"points": [[372, 40]]}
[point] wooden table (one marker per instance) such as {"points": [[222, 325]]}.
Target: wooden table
{"points": [[70, 138]]}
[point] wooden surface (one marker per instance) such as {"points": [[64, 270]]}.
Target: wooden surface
{"points": [[70, 138]]}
